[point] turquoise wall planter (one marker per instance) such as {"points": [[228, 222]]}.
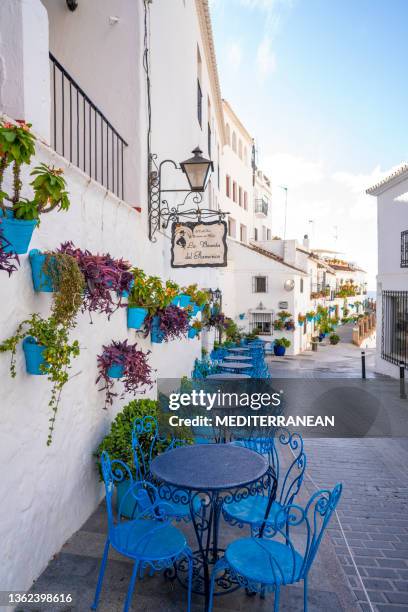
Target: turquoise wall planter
{"points": [[241, 316], [136, 317], [34, 357], [184, 300], [17, 232], [157, 336], [192, 332], [41, 280], [196, 309], [116, 370], [125, 294]]}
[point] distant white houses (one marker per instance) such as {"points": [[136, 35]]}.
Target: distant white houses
{"points": [[392, 279]]}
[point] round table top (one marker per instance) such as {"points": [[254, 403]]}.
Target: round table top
{"points": [[209, 467], [226, 376], [236, 365], [238, 350], [237, 358]]}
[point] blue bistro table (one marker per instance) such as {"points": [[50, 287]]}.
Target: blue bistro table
{"points": [[239, 350], [206, 476], [238, 358], [237, 366], [227, 376]]}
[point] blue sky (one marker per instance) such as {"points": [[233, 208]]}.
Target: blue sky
{"points": [[321, 86]]}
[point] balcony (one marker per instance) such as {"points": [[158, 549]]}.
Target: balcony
{"points": [[81, 133], [261, 207], [319, 290]]}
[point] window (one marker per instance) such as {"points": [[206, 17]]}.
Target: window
{"points": [[234, 191], [256, 234], [301, 285], [245, 156], [218, 166], [228, 134], [199, 103], [245, 200], [268, 234], [234, 142], [232, 228], [228, 186], [259, 284], [240, 149], [394, 344], [261, 322], [240, 196], [243, 233], [209, 140], [404, 249]]}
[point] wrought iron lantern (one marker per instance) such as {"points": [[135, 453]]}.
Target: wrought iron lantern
{"points": [[197, 170]]}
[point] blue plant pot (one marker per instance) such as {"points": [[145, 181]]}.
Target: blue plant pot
{"points": [[196, 309], [136, 316], [192, 332], [17, 232], [116, 370], [321, 336], [241, 316], [124, 293], [184, 300], [34, 356], [156, 334], [279, 350], [300, 323], [41, 280]]}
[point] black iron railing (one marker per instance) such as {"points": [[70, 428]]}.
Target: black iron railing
{"points": [[261, 206], [394, 332], [404, 249], [81, 132]]}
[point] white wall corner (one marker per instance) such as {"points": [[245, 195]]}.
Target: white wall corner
{"points": [[24, 63]]}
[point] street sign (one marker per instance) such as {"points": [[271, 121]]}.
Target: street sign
{"points": [[199, 245]]}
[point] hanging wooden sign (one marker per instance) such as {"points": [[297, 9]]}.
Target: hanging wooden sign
{"points": [[199, 245]]}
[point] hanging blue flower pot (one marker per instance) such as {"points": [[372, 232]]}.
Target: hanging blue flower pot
{"points": [[116, 370], [34, 356], [42, 281], [192, 332], [124, 293], [17, 232], [184, 300], [136, 316], [157, 336], [242, 315], [196, 309]]}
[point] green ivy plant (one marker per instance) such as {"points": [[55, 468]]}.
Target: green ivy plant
{"points": [[69, 285], [58, 354]]}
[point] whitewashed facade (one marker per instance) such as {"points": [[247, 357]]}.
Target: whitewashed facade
{"points": [[392, 279]]}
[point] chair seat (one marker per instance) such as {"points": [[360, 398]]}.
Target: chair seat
{"points": [[252, 510], [182, 511], [131, 539], [264, 561]]}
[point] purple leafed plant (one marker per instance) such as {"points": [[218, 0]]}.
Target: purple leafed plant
{"points": [[174, 322], [9, 262], [216, 320], [136, 369], [106, 279]]}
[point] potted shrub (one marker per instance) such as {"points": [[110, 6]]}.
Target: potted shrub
{"points": [[280, 345], [47, 351], [301, 319], [334, 339], [198, 299], [106, 279], [127, 362], [278, 324], [194, 329], [289, 325], [283, 315], [118, 442], [147, 296], [21, 215], [310, 315]]}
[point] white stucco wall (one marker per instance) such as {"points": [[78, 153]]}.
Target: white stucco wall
{"points": [[51, 491]]}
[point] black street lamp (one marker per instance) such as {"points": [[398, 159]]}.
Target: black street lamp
{"points": [[198, 170]]}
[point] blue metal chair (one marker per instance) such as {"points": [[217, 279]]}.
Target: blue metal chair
{"points": [[263, 566], [260, 511], [148, 538], [148, 427]]}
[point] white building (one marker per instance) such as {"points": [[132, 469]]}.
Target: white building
{"points": [[392, 279]]}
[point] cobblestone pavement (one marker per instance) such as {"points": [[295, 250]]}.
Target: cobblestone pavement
{"points": [[370, 534]]}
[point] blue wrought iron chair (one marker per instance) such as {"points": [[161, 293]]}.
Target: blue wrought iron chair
{"points": [[148, 426], [259, 511], [148, 538], [262, 566]]}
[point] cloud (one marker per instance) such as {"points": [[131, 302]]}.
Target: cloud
{"points": [[358, 183], [234, 55], [293, 171], [265, 59]]}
